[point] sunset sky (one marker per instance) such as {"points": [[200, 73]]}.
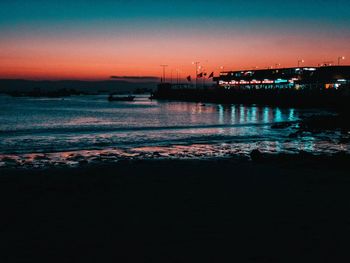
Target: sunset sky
{"points": [[87, 39]]}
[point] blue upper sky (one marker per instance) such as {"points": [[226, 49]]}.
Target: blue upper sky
{"points": [[40, 17], [14, 12]]}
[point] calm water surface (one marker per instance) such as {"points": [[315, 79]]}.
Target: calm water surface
{"points": [[83, 128]]}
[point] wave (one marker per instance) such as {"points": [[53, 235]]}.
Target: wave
{"points": [[34, 146], [100, 129]]}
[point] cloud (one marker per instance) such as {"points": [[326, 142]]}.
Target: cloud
{"points": [[148, 78]]}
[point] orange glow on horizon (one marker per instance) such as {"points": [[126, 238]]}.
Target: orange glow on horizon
{"points": [[94, 58]]}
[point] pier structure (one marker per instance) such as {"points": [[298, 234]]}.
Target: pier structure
{"points": [[326, 86], [296, 78]]}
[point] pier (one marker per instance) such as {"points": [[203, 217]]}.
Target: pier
{"points": [[326, 86]]}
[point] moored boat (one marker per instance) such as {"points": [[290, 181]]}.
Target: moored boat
{"points": [[120, 98]]}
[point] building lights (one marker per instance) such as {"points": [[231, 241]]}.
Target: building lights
{"points": [[300, 62], [254, 81], [295, 78], [292, 80], [248, 73], [278, 81], [267, 81], [339, 59]]}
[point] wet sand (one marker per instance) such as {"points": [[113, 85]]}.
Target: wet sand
{"points": [[269, 210]]}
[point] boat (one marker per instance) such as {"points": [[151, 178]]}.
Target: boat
{"points": [[120, 98]]}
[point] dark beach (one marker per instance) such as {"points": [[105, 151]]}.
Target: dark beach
{"points": [[273, 209], [174, 131]]}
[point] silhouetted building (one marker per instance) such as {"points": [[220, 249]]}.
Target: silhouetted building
{"points": [[326, 77]]}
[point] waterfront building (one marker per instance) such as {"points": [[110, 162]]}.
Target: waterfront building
{"points": [[297, 78]]}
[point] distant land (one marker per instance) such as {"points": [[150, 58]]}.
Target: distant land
{"points": [[105, 86]]}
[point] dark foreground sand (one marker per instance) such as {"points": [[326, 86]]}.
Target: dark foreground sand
{"points": [[178, 211]]}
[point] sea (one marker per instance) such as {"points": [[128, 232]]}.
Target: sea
{"points": [[76, 130]]}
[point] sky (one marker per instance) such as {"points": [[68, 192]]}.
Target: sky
{"points": [[92, 40]]}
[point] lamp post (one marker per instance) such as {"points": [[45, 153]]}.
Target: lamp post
{"points": [[222, 67], [202, 70], [196, 64], [171, 76], [163, 66], [300, 61], [339, 59], [177, 76]]}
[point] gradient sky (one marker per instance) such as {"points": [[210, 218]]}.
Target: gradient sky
{"points": [[88, 39]]}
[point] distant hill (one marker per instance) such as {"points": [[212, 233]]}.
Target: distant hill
{"points": [[107, 86]]}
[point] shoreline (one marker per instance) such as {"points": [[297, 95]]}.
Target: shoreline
{"points": [[338, 161], [115, 157]]}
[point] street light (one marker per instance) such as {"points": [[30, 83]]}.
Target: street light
{"points": [[339, 59], [177, 76], [196, 63], [300, 61], [163, 66]]}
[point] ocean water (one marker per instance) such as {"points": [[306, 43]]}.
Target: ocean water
{"points": [[80, 129]]}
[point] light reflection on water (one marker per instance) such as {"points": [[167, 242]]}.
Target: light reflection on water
{"points": [[91, 123]]}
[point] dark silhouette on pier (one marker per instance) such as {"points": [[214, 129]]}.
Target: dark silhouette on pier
{"points": [[289, 87]]}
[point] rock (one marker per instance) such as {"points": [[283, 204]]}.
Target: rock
{"points": [[256, 155], [282, 125]]}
